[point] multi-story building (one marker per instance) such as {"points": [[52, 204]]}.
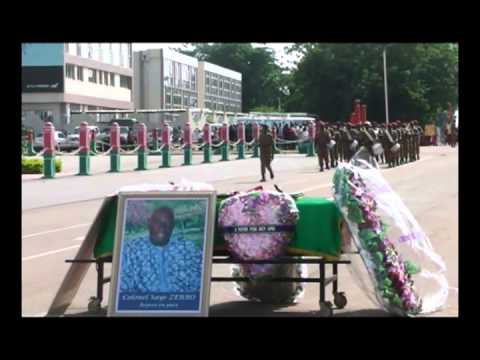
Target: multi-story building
{"points": [[221, 88], [58, 78], [168, 79]]}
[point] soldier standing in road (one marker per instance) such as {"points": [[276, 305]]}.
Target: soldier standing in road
{"points": [[382, 136], [266, 152], [333, 149], [346, 139], [412, 141], [391, 140], [322, 138], [418, 138], [338, 139]]}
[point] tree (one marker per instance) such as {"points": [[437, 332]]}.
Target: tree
{"points": [[421, 78], [262, 78]]}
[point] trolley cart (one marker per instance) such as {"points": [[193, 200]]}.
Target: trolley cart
{"points": [[326, 306]]}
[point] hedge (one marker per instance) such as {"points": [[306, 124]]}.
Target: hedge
{"points": [[35, 166]]}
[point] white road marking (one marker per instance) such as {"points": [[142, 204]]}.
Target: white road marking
{"points": [[50, 253], [55, 230]]}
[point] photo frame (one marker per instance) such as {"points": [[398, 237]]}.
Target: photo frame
{"points": [[162, 257]]}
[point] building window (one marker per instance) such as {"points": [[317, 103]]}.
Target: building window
{"points": [[79, 49], [90, 50], [125, 82], [100, 77], [70, 71], [92, 75], [177, 99], [112, 79], [178, 75], [168, 75], [168, 99], [105, 77], [110, 53], [80, 73]]}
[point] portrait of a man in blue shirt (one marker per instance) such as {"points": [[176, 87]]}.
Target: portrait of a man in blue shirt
{"points": [[162, 261]]}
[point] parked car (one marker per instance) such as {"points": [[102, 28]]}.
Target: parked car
{"points": [[73, 139], [60, 140], [104, 135]]}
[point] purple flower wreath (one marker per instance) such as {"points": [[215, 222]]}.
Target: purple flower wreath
{"points": [[264, 208], [393, 275]]}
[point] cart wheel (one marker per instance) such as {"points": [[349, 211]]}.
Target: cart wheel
{"points": [[326, 309], [340, 300], [94, 305]]}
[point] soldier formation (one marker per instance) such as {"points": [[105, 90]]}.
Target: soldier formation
{"points": [[336, 142]]}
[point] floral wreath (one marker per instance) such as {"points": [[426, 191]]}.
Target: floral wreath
{"points": [[392, 275]]}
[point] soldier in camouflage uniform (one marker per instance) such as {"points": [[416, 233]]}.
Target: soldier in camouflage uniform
{"points": [[366, 138], [322, 138], [392, 138], [356, 135], [333, 152], [346, 139], [339, 141], [411, 138], [418, 131], [382, 137]]}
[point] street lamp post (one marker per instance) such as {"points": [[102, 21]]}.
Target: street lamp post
{"points": [[385, 81]]}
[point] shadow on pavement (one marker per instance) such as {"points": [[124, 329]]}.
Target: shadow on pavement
{"points": [[245, 308], [363, 313]]}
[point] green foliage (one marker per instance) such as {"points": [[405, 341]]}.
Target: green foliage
{"points": [[421, 79], [266, 109], [262, 78], [35, 166]]}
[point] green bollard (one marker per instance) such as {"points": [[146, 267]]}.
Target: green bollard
{"points": [[84, 163], [166, 158], [207, 154], [255, 150], [93, 147], [275, 148], [115, 161], [241, 151], [141, 160], [155, 145], [187, 155], [225, 152], [310, 149], [30, 149], [48, 166]]}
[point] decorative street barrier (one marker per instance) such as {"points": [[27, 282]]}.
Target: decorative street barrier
{"points": [[187, 144], [115, 148], [225, 142], [84, 151], [166, 155], [30, 147], [207, 144], [48, 151], [142, 147], [93, 143], [241, 139]]}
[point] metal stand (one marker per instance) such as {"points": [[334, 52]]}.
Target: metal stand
{"points": [[326, 307]]}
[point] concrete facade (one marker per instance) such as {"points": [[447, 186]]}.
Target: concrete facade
{"points": [[96, 76], [167, 79]]}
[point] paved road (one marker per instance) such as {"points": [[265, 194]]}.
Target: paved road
{"points": [[57, 213]]}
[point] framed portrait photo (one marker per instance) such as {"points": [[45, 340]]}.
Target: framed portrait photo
{"points": [[162, 257]]}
